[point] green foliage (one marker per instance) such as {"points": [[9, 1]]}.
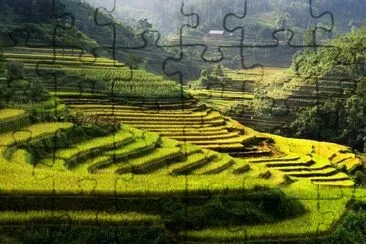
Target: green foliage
{"points": [[208, 77], [2, 63], [34, 11], [83, 234], [62, 139], [21, 91], [15, 70], [345, 59], [143, 25], [309, 37], [40, 114], [218, 71], [261, 205], [336, 120], [353, 228]]}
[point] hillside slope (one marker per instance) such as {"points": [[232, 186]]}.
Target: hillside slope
{"points": [[75, 24]]}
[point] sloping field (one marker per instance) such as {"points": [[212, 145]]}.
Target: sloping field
{"points": [[193, 124], [132, 178], [143, 100], [80, 71], [234, 94], [60, 172]]}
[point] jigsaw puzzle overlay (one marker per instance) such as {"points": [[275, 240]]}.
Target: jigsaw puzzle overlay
{"points": [[117, 130]]}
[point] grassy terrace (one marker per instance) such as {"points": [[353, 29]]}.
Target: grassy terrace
{"points": [[209, 129], [91, 73], [144, 151], [138, 177], [129, 165], [233, 96], [315, 160], [9, 140], [133, 151], [12, 119], [159, 115], [223, 95], [10, 114], [254, 74], [193, 124], [70, 157]]}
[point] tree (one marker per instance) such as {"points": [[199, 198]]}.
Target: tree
{"points": [[2, 64], [143, 25], [36, 91], [308, 39], [218, 71], [336, 120], [15, 70]]}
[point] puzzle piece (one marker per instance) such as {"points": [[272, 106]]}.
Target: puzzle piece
{"points": [[190, 36], [204, 46], [234, 22]]}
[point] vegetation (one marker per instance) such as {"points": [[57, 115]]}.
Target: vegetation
{"points": [[2, 63], [115, 150], [263, 18], [340, 119], [88, 73], [33, 24]]}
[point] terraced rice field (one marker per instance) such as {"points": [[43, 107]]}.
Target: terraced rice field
{"points": [[185, 121], [9, 118], [130, 151], [133, 151], [290, 94], [233, 96], [90, 73], [313, 161], [131, 178]]}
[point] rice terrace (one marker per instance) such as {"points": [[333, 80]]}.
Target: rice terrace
{"points": [[182, 122]]}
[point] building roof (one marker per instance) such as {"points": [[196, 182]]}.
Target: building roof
{"points": [[216, 32]]}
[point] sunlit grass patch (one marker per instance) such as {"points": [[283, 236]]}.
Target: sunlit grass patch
{"points": [[222, 162], [318, 221], [83, 149], [6, 114]]}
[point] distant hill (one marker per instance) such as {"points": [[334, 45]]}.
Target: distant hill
{"points": [[263, 18], [73, 23], [89, 25], [163, 14]]}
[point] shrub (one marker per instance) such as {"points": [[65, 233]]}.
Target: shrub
{"points": [[2, 64], [260, 205], [352, 229], [36, 91], [15, 70]]}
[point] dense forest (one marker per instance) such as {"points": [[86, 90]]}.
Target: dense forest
{"points": [[338, 120]]}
